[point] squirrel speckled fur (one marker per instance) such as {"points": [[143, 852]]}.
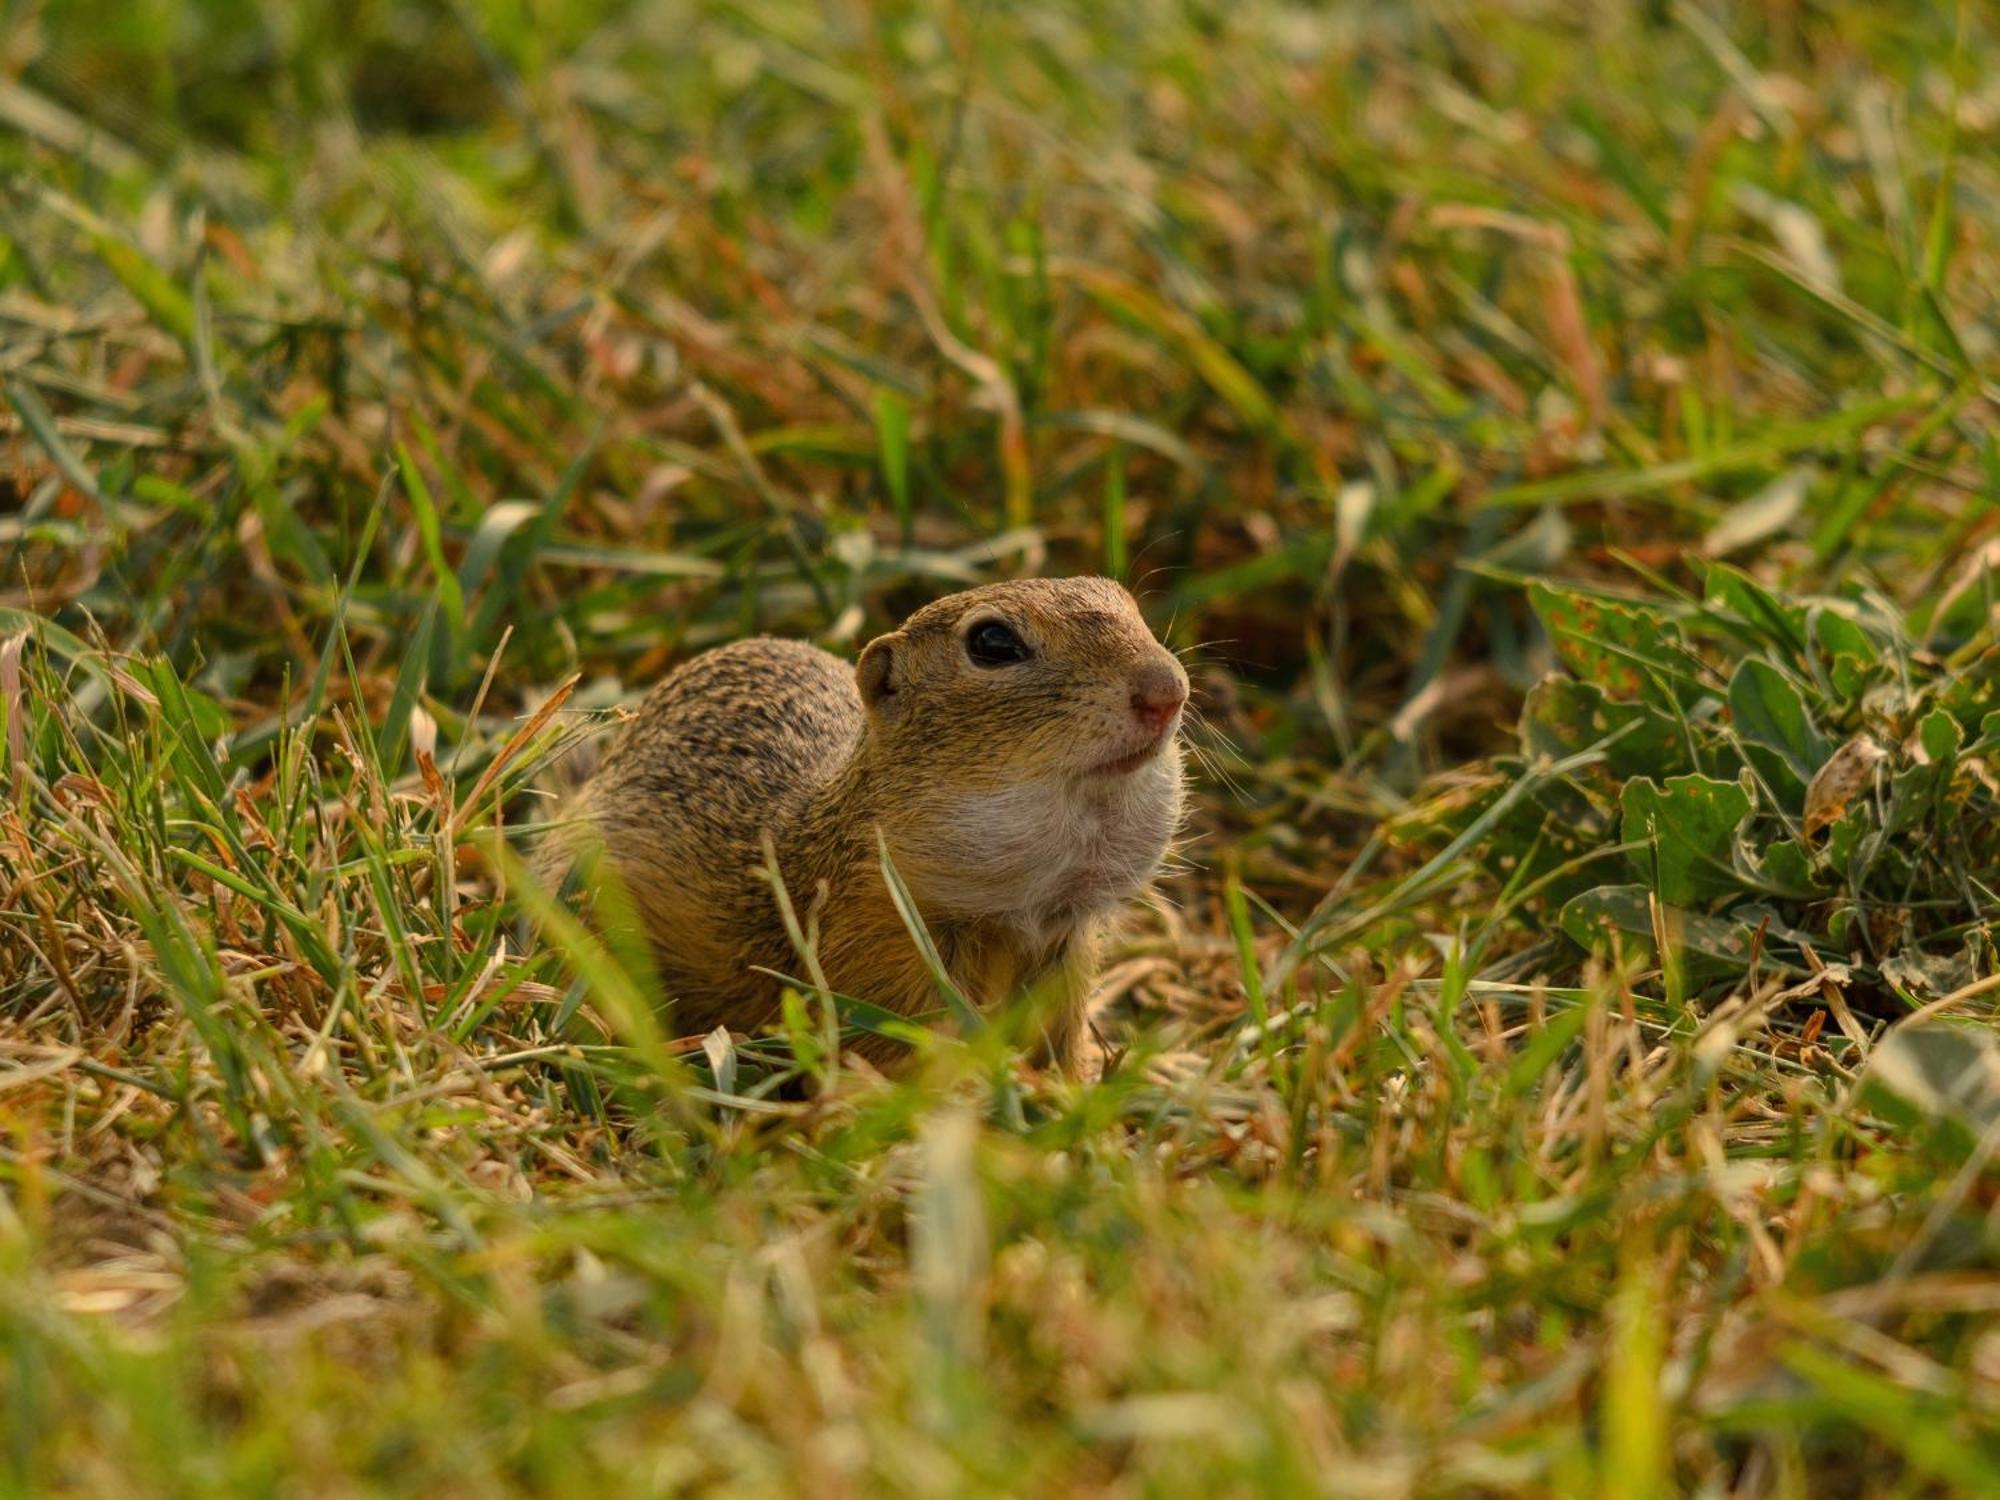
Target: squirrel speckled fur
{"points": [[1015, 745]]}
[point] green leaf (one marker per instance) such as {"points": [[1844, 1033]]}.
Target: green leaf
{"points": [[1114, 512], [1940, 736], [450, 593], [962, 1009], [1777, 729], [1707, 946], [1544, 1047], [1753, 609], [1690, 826], [1563, 716], [892, 436], [188, 714], [195, 710], [1931, 1434], [1637, 1422], [391, 741], [1941, 1073], [1851, 654], [1768, 447], [1237, 909], [1839, 636], [1785, 866], [37, 419], [1764, 514], [1917, 793], [515, 560], [499, 523], [166, 303], [1123, 427], [1974, 690], [1628, 647]]}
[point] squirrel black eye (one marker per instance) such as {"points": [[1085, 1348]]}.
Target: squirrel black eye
{"points": [[993, 643]]}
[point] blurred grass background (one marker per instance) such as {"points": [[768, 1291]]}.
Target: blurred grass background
{"points": [[374, 371]]}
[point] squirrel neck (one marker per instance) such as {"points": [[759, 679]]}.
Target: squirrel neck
{"points": [[829, 841], [836, 844]]}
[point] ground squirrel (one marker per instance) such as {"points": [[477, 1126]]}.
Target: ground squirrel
{"points": [[1016, 745]]}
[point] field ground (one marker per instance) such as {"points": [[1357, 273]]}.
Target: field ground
{"points": [[1518, 1091]]}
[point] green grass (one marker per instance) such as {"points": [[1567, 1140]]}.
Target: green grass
{"points": [[395, 388]]}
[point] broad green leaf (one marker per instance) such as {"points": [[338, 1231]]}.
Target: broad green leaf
{"points": [[1940, 1072], [1839, 636], [1850, 656], [1777, 729], [1628, 647], [1754, 610], [1940, 736], [1929, 976], [1707, 946], [1920, 792], [1973, 690], [1784, 867], [1563, 716], [1689, 827]]}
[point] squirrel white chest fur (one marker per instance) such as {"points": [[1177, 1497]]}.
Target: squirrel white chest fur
{"points": [[1050, 853]]}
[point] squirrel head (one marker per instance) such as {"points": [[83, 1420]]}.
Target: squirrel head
{"points": [[1032, 728]]}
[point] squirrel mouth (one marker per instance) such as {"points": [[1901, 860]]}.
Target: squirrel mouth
{"points": [[1124, 765]]}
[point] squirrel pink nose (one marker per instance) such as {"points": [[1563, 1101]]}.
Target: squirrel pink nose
{"points": [[1158, 691]]}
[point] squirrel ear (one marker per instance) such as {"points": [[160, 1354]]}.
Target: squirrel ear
{"points": [[879, 673]]}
